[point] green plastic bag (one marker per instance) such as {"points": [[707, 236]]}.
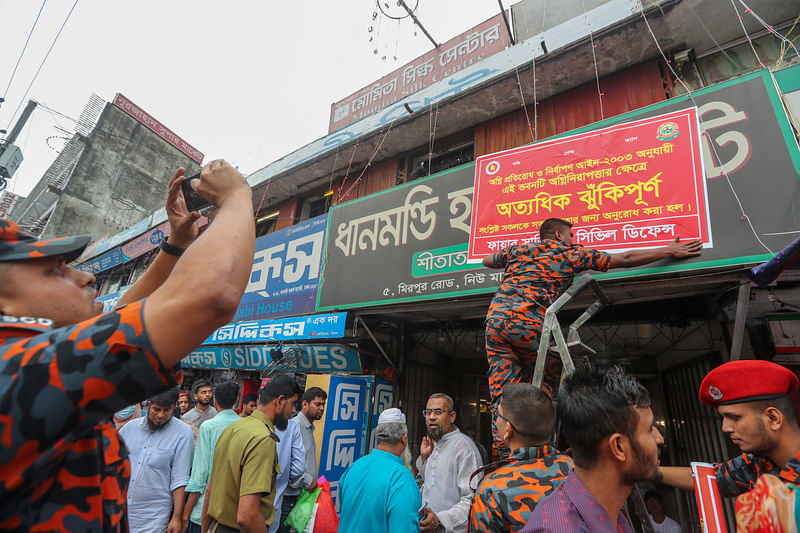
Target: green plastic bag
{"points": [[302, 510]]}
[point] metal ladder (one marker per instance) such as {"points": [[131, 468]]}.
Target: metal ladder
{"points": [[551, 329]]}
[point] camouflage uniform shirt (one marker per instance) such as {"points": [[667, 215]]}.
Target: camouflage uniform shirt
{"points": [[62, 465], [506, 497], [739, 475]]}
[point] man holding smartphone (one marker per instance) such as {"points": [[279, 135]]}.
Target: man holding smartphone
{"points": [[66, 367]]}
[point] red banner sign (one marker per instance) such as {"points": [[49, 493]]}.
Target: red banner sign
{"points": [[162, 131], [633, 185]]}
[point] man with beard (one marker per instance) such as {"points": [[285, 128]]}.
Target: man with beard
{"points": [[203, 395], [377, 493], [447, 460], [758, 415], [241, 490], [312, 409], [161, 448], [608, 422]]}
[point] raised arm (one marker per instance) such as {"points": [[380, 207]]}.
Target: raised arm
{"points": [[203, 290], [182, 232], [675, 250], [488, 261]]}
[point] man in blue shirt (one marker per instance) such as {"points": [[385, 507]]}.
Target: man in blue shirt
{"points": [[225, 396], [292, 458], [161, 448], [378, 493]]}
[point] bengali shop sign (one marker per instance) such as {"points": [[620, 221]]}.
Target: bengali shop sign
{"points": [[300, 357], [283, 329], [634, 185], [460, 52]]}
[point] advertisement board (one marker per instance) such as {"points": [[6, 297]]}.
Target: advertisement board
{"points": [[285, 273], [311, 358], [633, 185], [751, 161], [282, 329], [340, 435]]}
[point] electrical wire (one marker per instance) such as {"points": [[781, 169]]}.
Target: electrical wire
{"points": [[749, 40], [38, 70], [690, 94], [11, 79]]}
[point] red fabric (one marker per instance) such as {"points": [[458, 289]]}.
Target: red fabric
{"points": [[326, 520], [743, 381], [248, 386]]}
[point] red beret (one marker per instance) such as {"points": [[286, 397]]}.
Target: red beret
{"points": [[746, 381]]}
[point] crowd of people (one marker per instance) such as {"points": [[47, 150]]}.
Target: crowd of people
{"points": [[79, 451]]}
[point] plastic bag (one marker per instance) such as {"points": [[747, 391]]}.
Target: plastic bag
{"points": [[326, 520], [302, 510], [310, 526]]}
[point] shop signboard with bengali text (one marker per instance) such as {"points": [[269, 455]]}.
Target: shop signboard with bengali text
{"points": [[638, 184], [376, 250], [285, 273], [330, 326], [312, 358]]}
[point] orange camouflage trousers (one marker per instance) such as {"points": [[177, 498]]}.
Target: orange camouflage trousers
{"points": [[511, 349]]}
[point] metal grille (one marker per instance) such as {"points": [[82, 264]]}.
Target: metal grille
{"points": [[89, 115], [696, 429], [60, 171], [418, 383]]}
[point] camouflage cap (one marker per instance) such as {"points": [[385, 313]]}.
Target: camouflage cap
{"points": [[17, 245]]}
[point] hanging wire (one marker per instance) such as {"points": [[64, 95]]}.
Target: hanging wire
{"points": [[770, 29], [432, 135], [36, 75], [24, 48], [749, 40], [347, 172], [594, 58], [369, 163], [690, 94]]}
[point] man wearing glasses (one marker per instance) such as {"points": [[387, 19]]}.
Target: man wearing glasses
{"points": [[447, 460], [512, 487]]}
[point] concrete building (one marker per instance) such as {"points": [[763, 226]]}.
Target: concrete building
{"points": [[113, 172]]}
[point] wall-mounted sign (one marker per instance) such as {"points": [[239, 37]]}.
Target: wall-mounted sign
{"points": [[158, 128], [633, 185], [284, 329], [475, 44], [285, 273], [303, 358]]}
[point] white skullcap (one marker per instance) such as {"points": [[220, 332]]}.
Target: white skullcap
{"points": [[393, 414]]}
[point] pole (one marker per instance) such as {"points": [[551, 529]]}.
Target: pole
{"points": [[418, 23], [505, 19]]}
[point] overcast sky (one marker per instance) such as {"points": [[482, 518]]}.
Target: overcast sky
{"points": [[247, 80]]}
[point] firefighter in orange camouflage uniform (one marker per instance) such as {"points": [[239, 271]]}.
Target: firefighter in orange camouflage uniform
{"points": [[66, 367], [536, 274]]}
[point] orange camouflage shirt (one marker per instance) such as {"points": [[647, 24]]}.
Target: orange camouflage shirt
{"points": [[62, 465], [507, 496]]}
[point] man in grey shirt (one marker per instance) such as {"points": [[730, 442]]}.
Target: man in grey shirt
{"points": [[313, 407], [447, 460], [204, 395]]}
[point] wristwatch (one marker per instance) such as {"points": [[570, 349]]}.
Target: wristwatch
{"points": [[167, 248]]}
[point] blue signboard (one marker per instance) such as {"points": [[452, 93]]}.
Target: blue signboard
{"points": [[343, 426], [382, 400], [285, 273], [103, 262], [329, 326], [312, 358]]}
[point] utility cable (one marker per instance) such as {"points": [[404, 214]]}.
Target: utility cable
{"points": [[24, 48], [52, 45]]}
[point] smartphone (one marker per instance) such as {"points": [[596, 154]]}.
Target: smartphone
{"points": [[194, 202]]}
